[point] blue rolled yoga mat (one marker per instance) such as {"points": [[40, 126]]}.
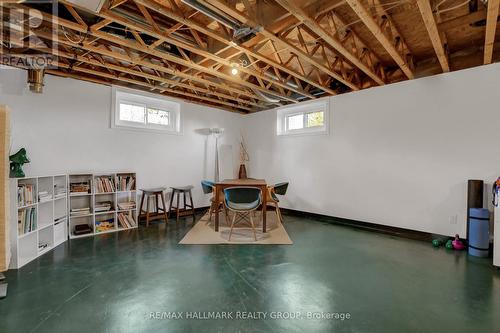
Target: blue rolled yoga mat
{"points": [[479, 236]]}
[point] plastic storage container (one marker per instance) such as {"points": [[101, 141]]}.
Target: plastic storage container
{"points": [[479, 228]]}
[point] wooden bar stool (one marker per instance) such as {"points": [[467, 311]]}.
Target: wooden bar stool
{"points": [[156, 193], [177, 191]]}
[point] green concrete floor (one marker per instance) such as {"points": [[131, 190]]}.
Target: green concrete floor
{"points": [[112, 283]]}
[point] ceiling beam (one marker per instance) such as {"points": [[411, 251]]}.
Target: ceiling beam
{"points": [[144, 28], [74, 58], [123, 79], [462, 20], [430, 24], [217, 36], [382, 37], [491, 27], [280, 41], [302, 16], [133, 45], [133, 60], [123, 69]]}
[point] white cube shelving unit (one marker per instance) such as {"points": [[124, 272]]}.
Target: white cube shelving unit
{"points": [[115, 196], [49, 214]]}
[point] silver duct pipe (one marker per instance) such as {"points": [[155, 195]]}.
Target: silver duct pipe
{"points": [[240, 30], [212, 14], [288, 83], [35, 80], [267, 98], [144, 22]]}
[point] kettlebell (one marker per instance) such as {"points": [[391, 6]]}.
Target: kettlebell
{"points": [[437, 242]]}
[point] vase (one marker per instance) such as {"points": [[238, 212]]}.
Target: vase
{"points": [[242, 174]]}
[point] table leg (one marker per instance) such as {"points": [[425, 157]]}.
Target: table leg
{"points": [[264, 207], [216, 221]]}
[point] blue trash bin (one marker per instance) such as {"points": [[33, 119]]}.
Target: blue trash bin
{"points": [[479, 232]]}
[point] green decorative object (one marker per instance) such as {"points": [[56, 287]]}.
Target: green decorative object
{"points": [[437, 242], [449, 245], [16, 163]]}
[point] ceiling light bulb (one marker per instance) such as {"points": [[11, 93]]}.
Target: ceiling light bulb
{"points": [[234, 71]]}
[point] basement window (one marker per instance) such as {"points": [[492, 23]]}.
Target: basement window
{"points": [[307, 118], [144, 112]]}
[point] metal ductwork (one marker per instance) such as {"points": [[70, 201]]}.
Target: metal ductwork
{"points": [[267, 98], [241, 32], [35, 80], [228, 22], [289, 83], [91, 5]]}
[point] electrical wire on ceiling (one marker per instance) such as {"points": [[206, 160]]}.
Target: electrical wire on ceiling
{"points": [[391, 5], [66, 34], [438, 11]]}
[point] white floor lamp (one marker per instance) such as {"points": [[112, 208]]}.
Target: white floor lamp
{"points": [[217, 133]]}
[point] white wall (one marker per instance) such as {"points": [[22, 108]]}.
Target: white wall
{"points": [[66, 130], [398, 155]]}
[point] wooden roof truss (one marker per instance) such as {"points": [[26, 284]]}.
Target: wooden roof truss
{"points": [[304, 51]]}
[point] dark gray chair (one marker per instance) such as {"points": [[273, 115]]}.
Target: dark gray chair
{"points": [[242, 201], [272, 197], [209, 187]]}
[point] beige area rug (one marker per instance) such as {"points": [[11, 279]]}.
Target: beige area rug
{"points": [[203, 232]]}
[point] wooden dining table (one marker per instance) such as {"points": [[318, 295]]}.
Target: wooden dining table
{"points": [[219, 195]]}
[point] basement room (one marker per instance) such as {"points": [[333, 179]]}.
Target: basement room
{"points": [[249, 166]]}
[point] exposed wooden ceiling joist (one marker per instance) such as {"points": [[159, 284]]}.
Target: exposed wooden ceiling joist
{"points": [[382, 31], [188, 22], [430, 23], [133, 46], [303, 55], [188, 63], [332, 41], [286, 51]]}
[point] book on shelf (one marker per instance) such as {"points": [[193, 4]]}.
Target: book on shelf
{"points": [[105, 225], [44, 196], [126, 220], [59, 219], [82, 229], [42, 246], [125, 183], [128, 205], [103, 206], [25, 194], [79, 187], [59, 192], [26, 220], [80, 211], [104, 185]]}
